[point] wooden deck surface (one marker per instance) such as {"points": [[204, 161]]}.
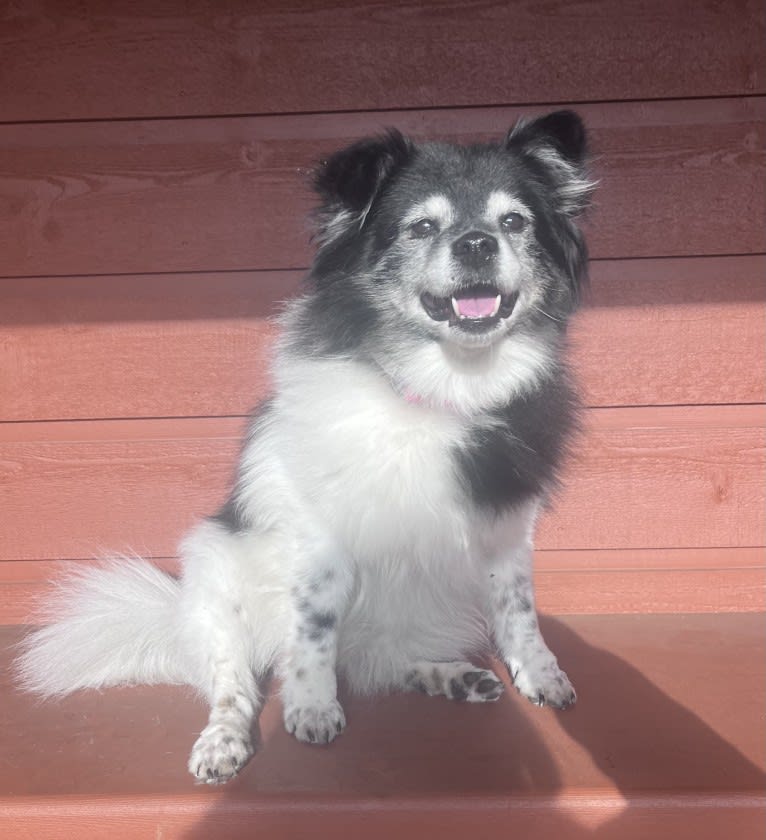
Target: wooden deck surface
{"points": [[668, 722]]}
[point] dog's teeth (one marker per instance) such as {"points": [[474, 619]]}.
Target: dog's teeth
{"points": [[456, 308], [496, 309]]}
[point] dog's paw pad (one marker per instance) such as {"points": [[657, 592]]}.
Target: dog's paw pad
{"points": [[460, 681], [315, 724], [219, 754], [478, 686]]}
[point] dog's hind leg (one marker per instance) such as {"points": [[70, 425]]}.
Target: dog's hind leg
{"points": [[454, 680]]}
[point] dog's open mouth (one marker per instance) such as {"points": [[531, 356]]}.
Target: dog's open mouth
{"points": [[473, 308]]}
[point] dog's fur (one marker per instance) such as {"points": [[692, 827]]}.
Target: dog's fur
{"points": [[381, 522]]}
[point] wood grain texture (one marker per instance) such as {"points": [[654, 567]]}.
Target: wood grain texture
{"points": [[137, 346], [673, 332], [667, 332], [713, 580], [576, 817], [677, 179], [641, 478], [115, 761], [235, 57]]}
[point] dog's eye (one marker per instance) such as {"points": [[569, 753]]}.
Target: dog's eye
{"points": [[423, 228], [513, 222]]}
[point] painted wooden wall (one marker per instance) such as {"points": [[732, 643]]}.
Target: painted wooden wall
{"points": [[154, 161]]}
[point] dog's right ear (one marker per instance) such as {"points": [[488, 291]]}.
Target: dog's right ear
{"points": [[351, 178]]}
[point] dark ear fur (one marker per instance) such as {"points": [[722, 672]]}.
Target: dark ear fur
{"points": [[563, 131], [351, 177], [554, 148]]}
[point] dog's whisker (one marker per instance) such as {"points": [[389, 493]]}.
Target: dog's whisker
{"points": [[548, 315]]}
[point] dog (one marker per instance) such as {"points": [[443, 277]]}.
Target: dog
{"points": [[380, 526]]}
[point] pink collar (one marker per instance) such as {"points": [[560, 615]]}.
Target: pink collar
{"points": [[416, 399]]}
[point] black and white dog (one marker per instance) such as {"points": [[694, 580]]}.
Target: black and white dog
{"points": [[380, 527]]}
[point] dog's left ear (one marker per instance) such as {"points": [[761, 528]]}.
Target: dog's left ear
{"points": [[350, 179], [556, 148], [561, 131]]}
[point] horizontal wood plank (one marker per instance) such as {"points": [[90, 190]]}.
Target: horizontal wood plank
{"points": [[673, 332], [712, 580], [115, 761], [667, 332], [236, 57], [677, 179], [640, 478], [137, 346]]}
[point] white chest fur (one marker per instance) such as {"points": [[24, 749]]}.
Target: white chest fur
{"points": [[378, 470]]}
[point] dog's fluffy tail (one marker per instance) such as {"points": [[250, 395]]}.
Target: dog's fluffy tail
{"points": [[106, 625]]}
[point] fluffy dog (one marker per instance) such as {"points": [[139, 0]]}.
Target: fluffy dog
{"points": [[380, 526]]}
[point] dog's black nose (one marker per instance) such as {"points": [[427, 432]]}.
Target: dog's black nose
{"points": [[475, 248]]}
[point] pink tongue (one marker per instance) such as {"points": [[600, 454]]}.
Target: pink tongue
{"points": [[476, 307]]}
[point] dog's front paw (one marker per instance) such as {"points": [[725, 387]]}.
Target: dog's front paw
{"points": [[315, 724], [220, 753], [544, 683]]}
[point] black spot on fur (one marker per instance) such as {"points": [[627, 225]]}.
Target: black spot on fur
{"points": [[323, 620], [471, 677], [516, 455], [487, 685], [319, 624], [457, 691], [522, 604]]}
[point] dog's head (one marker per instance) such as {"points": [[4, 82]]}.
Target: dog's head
{"points": [[462, 244]]}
